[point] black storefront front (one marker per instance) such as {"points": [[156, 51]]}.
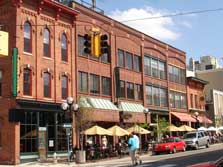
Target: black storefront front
{"points": [[41, 128]]}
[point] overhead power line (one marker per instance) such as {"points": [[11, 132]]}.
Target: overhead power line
{"points": [[174, 15]]}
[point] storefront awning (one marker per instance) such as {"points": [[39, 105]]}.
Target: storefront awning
{"points": [[183, 117], [131, 107], [204, 119], [90, 102]]}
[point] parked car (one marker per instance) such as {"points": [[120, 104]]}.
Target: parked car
{"points": [[217, 163], [170, 145], [196, 139]]}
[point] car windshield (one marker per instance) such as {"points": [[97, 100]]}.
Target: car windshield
{"points": [[168, 140], [189, 135]]}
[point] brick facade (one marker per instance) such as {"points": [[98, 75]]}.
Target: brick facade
{"points": [[60, 19]]}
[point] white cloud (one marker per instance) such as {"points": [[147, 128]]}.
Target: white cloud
{"points": [[162, 28], [186, 24]]}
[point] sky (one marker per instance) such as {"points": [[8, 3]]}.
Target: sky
{"points": [[196, 34]]}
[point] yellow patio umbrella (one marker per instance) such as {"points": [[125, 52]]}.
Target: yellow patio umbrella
{"points": [[186, 128], [118, 131], [138, 129], [173, 128], [97, 130]]}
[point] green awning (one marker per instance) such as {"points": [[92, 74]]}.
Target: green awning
{"points": [[90, 102], [131, 107]]}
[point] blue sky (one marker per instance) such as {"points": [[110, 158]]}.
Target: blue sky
{"points": [[197, 34]]}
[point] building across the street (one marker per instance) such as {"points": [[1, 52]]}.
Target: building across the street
{"points": [[206, 63], [213, 94], [46, 42]]}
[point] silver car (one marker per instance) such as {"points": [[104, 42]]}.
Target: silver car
{"points": [[196, 139]]}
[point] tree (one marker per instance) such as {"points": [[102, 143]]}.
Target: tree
{"points": [[83, 122], [161, 129]]}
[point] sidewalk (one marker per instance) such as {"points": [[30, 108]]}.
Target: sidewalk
{"points": [[125, 161]]}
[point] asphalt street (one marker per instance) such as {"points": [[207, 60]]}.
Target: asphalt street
{"points": [[180, 159]]}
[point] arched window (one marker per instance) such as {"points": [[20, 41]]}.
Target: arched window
{"points": [[27, 37], [47, 84], [27, 82], [46, 42], [64, 86], [64, 47]]}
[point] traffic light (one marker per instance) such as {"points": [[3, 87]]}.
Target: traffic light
{"points": [[87, 44], [104, 48]]}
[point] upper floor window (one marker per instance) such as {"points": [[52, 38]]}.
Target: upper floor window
{"points": [[130, 90], [138, 92], [106, 86], [149, 96], [176, 74], [105, 58], [162, 71], [191, 101], [129, 61], [82, 82], [94, 84], [64, 84], [156, 96], [121, 58], [27, 37], [196, 101], [81, 41], [122, 89], [47, 84], [0, 83], [137, 63], [178, 100], [154, 67], [46, 42], [27, 82], [64, 47]]}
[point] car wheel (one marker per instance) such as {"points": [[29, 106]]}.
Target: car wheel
{"points": [[155, 153], [196, 146], [174, 150], [208, 144], [184, 148]]}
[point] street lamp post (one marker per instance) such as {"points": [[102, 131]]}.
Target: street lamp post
{"points": [[196, 114], [70, 107], [146, 111]]}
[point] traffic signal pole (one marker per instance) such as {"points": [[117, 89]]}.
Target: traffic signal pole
{"points": [[96, 43]]}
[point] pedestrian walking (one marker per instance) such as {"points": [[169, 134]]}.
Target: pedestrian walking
{"points": [[137, 157], [132, 148]]}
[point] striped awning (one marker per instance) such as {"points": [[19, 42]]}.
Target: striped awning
{"points": [[131, 107], [90, 102]]}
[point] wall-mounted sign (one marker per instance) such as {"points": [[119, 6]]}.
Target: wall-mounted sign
{"points": [[4, 43]]}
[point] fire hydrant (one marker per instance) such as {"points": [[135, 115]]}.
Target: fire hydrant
{"points": [[55, 157]]}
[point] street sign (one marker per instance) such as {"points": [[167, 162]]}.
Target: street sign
{"points": [[67, 125]]}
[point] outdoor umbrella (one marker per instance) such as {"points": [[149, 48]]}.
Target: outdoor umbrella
{"points": [[202, 129], [97, 130], [118, 131], [172, 128], [211, 128], [186, 128], [138, 129]]}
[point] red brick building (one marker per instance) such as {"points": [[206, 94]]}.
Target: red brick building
{"points": [[196, 100], [53, 66]]}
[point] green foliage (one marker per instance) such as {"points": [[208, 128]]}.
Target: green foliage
{"points": [[144, 125], [161, 128]]}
